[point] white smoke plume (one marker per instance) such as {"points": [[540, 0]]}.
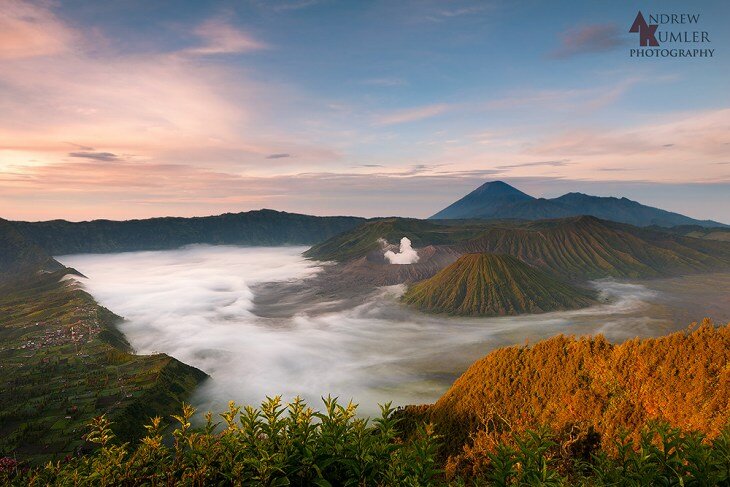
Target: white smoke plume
{"points": [[406, 255]]}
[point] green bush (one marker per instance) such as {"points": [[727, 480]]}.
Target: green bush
{"points": [[274, 445], [278, 445]]}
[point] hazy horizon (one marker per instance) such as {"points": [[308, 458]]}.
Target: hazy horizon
{"points": [[641, 192]]}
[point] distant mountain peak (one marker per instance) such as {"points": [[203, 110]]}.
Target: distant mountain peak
{"points": [[484, 200], [496, 184], [499, 200], [500, 186]]}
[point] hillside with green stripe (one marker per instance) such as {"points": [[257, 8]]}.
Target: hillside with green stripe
{"points": [[576, 248], [494, 285]]}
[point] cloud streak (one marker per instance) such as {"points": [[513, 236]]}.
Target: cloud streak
{"points": [[576, 100], [220, 37], [589, 39], [97, 156], [413, 114], [689, 135], [535, 164]]}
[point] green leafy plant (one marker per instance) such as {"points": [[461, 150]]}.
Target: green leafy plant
{"points": [[282, 444]]}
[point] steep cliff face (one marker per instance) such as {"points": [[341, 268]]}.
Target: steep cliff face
{"points": [[20, 256]]}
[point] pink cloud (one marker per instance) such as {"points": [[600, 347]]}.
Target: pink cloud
{"points": [[413, 114], [220, 37], [576, 99], [27, 30], [703, 133], [161, 107]]}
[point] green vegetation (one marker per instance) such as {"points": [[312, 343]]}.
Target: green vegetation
{"points": [[279, 445], [62, 362], [494, 285], [275, 445], [263, 227], [562, 412], [569, 249]]}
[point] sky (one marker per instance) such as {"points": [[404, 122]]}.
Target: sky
{"points": [[133, 109]]}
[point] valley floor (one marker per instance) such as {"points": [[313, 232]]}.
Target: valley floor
{"points": [[64, 361], [256, 321]]}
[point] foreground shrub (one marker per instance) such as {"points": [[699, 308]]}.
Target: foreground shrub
{"points": [[274, 445], [666, 456], [278, 445]]}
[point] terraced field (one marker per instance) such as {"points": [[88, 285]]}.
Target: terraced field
{"points": [[62, 362]]}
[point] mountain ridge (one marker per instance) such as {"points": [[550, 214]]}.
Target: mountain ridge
{"points": [[497, 199], [20, 255], [570, 249], [258, 227]]}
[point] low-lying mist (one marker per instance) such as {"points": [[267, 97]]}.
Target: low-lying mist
{"points": [[197, 304]]}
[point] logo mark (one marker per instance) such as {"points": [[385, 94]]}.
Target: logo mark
{"points": [[647, 32]]}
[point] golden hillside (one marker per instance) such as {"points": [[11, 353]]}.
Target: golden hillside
{"points": [[587, 384]]}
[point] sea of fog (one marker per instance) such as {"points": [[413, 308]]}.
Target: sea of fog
{"points": [[197, 304]]}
